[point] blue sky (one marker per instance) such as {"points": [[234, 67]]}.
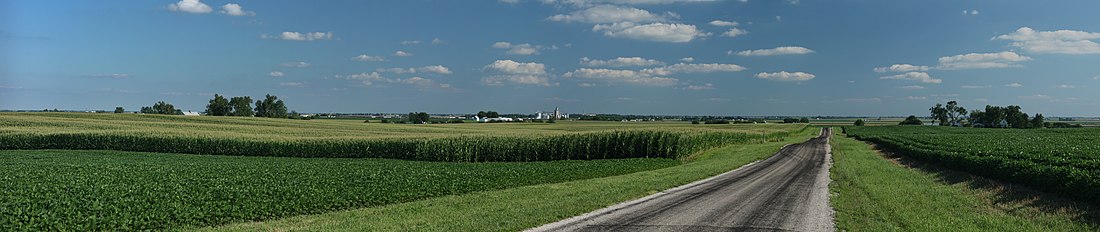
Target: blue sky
{"points": [[700, 57]]}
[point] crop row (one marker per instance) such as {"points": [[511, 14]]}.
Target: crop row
{"points": [[1064, 161], [577, 146]]}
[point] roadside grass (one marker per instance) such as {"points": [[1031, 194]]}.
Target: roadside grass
{"points": [[875, 193], [524, 207]]}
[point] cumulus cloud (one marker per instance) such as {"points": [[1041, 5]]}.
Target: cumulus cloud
{"points": [[299, 64], [423, 83], [410, 42], [707, 86], [300, 36], [912, 87], [621, 2], [734, 32], [621, 76], [694, 68], [1037, 97], [785, 76], [609, 14], [692, 59], [922, 77], [190, 6], [982, 60], [509, 71], [1065, 86], [621, 62], [970, 12], [785, 50], [522, 49], [1055, 42], [233, 9], [916, 98], [437, 69], [402, 53], [438, 41], [370, 79], [275, 74], [721, 23], [1014, 85], [657, 32], [901, 68], [976, 86], [365, 57]]}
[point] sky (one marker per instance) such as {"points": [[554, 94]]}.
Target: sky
{"points": [[667, 57]]}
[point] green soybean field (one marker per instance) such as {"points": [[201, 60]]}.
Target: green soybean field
{"points": [[1063, 161]]}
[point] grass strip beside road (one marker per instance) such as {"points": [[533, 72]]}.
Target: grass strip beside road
{"points": [[524, 207], [872, 193]]}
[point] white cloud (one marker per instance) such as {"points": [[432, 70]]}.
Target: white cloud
{"points": [[275, 74], [299, 64], [912, 87], [621, 62], [423, 83], [922, 77], [901, 68], [621, 76], [1037, 97], [916, 98], [970, 12], [233, 9], [864, 100], [734, 32], [976, 86], [609, 14], [658, 32], [1015, 85], [438, 41], [299, 36], [694, 68], [437, 69], [402, 53], [365, 57], [516, 72], [111, 76], [523, 49], [981, 99], [508, 1], [292, 84], [586, 85], [369, 79], [1097, 77], [692, 59], [1065, 86], [622, 2], [785, 50], [982, 60], [721, 23], [190, 6], [1056, 42], [410, 42], [786, 76], [707, 86]]}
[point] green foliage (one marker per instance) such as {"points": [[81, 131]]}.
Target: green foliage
{"points": [[219, 106], [462, 143], [1065, 161], [242, 106], [804, 120], [419, 118], [147, 110], [270, 107], [911, 120], [859, 122], [119, 110], [162, 108], [106, 190]]}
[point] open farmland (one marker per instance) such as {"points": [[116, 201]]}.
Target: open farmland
{"points": [[337, 138], [55, 190], [1065, 161]]}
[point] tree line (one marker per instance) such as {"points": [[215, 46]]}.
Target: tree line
{"points": [[241, 106], [1012, 116]]}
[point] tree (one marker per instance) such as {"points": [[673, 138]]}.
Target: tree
{"points": [[119, 110], [939, 113], [242, 106], [164, 108], [270, 107], [911, 120], [1037, 121], [219, 106], [790, 120], [482, 114], [955, 113], [976, 117], [492, 114], [1015, 117], [804, 120], [993, 116], [859, 122], [147, 110], [419, 118]]}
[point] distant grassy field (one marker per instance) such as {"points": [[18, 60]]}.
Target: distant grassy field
{"points": [[851, 121], [872, 193], [341, 138]]}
